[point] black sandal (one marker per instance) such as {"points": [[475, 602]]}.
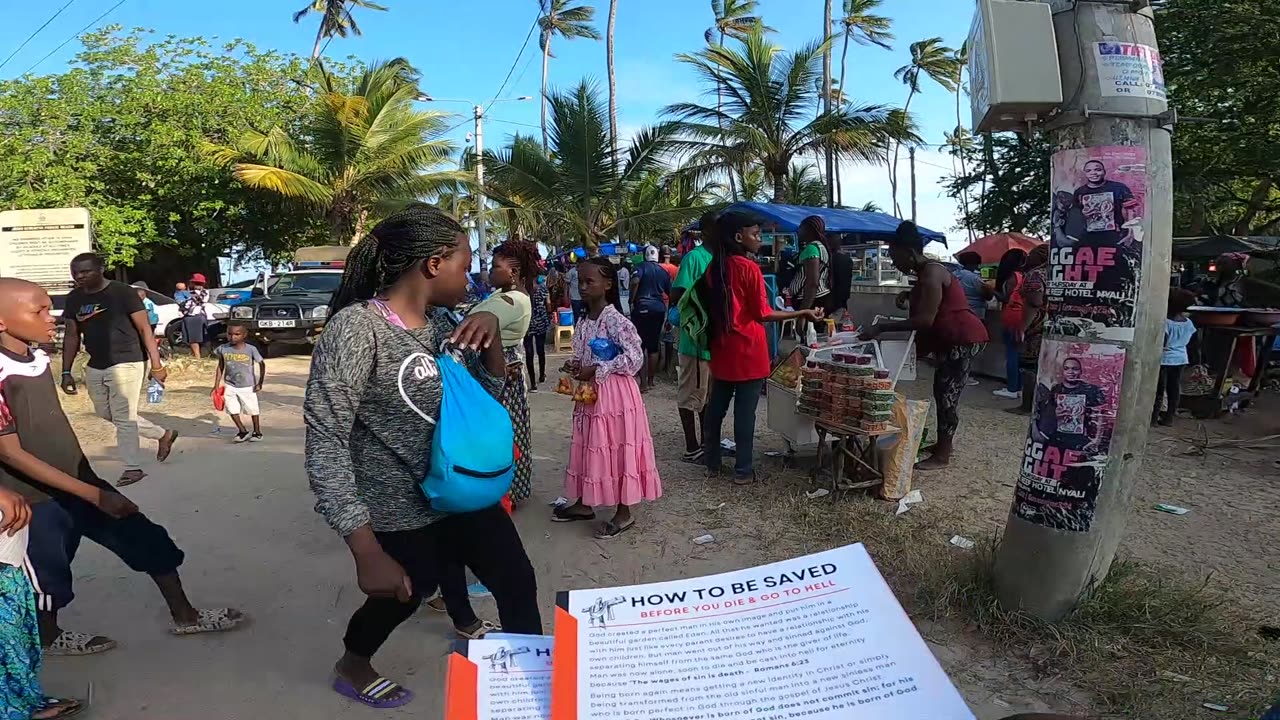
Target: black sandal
{"points": [[562, 514], [610, 531]]}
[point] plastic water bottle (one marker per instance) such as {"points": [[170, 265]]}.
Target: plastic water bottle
{"points": [[155, 392], [811, 335]]}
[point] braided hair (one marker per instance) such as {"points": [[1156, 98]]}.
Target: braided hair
{"points": [[717, 296], [395, 246], [525, 256], [610, 272]]}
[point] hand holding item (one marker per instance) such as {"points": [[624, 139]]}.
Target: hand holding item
{"points": [[813, 314], [587, 373]]}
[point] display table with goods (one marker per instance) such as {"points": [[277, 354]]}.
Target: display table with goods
{"points": [[1225, 333], [841, 392]]}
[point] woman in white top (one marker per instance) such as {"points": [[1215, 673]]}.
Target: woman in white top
{"points": [[513, 274]]}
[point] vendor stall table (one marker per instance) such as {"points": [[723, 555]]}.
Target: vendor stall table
{"points": [[1233, 334], [859, 446]]}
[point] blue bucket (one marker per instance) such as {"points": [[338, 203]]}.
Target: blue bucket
{"points": [[565, 317]]}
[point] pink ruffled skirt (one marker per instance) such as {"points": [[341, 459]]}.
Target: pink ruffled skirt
{"points": [[611, 459]]}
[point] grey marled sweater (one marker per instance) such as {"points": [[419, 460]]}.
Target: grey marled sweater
{"points": [[368, 445]]}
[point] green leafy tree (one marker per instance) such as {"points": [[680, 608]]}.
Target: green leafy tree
{"points": [[336, 19], [805, 186], [560, 20], [661, 204], [575, 189], [767, 117], [363, 148], [861, 23], [1007, 186], [119, 133], [929, 59]]}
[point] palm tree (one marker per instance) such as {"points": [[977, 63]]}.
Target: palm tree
{"points": [[928, 58], [861, 25], [575, 189], [569, 23], [767, 116], [659, 206], [335, 19], [734, 19], [613, 87], [805, 186], [363, 148], [961, 137], [826, 93]]}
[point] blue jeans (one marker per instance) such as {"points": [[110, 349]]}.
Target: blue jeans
{"points": [[1012, 370], [745, 396]]}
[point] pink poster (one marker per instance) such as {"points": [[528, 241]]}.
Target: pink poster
{"points": [[1072, 420], [1095, 258]]}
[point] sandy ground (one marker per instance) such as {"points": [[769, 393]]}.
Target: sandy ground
{"points": [[244, 516]]}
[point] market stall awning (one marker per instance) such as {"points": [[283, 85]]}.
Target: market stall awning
{"points": [[1210, 247], [869, 226], [993, 247]]}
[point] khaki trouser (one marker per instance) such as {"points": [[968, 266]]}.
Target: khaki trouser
{"points": [[116, 392]]}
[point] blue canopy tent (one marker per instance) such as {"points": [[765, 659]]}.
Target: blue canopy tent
{"points": [[865, 227]]}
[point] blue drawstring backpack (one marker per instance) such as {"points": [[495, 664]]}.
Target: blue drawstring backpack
{"points": [[473, 449]]}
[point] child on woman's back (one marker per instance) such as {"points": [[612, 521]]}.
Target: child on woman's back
{"points": [[611, 461], [1178, 332]]}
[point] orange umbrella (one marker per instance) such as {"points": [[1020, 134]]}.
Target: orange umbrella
{"points": [[992, 247]]}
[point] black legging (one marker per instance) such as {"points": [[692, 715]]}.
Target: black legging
{"points": [[536, 342], [1170, 383]]}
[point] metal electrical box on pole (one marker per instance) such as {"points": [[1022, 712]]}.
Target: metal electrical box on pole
{"points": [[1107, 284]]}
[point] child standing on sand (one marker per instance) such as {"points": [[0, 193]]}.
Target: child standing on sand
{"points": [[611, 460], [237, 361]]}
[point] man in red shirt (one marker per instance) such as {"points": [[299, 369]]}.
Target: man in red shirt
{"points": [[738, 304]]}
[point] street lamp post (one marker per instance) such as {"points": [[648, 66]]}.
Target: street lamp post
{"points": [[477, 113]]}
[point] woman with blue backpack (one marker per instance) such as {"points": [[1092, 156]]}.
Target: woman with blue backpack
{"points": [[396, 392]]}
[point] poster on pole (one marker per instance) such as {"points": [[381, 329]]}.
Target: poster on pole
{"points": [[500, 677], [1129, 70], [1095, 252], [819, 637], [1072, 420]]}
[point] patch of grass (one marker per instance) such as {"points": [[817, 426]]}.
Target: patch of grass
{"points": [[1146, 644]]}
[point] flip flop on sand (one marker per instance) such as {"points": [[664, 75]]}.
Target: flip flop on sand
{"points": [[381, 694], [215, 620], [53, 708], [610, 530], [562, 514], [166, 445], [129, 477]]}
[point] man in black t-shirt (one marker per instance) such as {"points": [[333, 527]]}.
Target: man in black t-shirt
{"points": [[1101, 202], [120, 340], [1067, 416], [41, 457]]}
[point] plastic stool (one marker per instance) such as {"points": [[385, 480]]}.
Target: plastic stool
{"points": [[782, 331], [564, 338]]}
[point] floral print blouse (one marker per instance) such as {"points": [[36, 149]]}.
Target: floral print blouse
{"points": [[615, 326]]}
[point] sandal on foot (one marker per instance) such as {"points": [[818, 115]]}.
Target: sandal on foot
{"points": [[214, 620], [129, 477], [562, 514], [166, 445], [484, 628], [71, 643], [60, 707], [435, 603], [381, 694], [610, 530]]}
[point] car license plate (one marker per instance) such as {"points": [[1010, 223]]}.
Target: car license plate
{"points": [[277, 323]]}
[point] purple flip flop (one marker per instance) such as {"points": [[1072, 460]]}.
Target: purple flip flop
{"points": [[380, 694]]}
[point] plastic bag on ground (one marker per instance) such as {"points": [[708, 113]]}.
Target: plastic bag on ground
{"points": [[899, 456]]}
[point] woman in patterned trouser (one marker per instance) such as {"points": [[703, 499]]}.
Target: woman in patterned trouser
{"points": [[944, 326]]}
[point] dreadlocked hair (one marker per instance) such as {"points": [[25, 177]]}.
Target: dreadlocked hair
{"points": [[610, 273], [717, 296], [395, 246], [525, 255]]}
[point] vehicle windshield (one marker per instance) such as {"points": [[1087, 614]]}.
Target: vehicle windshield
{"points": [[307, 282]]}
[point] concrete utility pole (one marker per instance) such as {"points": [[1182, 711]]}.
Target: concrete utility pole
{"points": [[1039, 568], [481, 241], [826, 103]]}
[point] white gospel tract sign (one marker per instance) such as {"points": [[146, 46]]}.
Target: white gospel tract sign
{"points": [[819, 637]]}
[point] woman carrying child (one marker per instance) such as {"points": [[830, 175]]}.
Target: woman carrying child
{"points": [[373, 400], [611, 461], [513, 276]]}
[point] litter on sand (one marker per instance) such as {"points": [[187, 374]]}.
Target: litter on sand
{"points": [[908, 500], [962, 542], [1172, 509], [559, 502], [713, 508], [815, 494], [1174, 676], [703, 540], [1217, 706]]}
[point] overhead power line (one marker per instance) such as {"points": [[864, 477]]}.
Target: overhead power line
{"points": [[35, 33], [503, 86], [80, 32]]}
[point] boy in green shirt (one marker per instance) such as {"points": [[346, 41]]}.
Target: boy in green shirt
{"points": [[694, 372]]}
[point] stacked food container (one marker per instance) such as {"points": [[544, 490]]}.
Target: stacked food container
{"points": [[847, 391]]}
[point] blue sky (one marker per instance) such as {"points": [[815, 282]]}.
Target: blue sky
{"points": [[464, 49]]}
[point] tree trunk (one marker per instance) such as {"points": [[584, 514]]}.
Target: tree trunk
{"points": [[826, 98], [546, 58], [844, 65], [613, 88], [779, 186], [362, 220], [897, 146], [733, 189], [1261, 192], [1199, 216], [315, 49], [964, 189]]}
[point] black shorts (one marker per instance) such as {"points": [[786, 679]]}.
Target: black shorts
{"points": [[649, 326]]}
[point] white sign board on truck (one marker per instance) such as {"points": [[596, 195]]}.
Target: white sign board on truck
{"points": [[38, 245]]}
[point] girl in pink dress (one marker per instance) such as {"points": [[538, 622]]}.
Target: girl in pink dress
{"points": [[611, 460]]}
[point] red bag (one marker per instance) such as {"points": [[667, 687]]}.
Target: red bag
{"points": [[219, 398]]}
